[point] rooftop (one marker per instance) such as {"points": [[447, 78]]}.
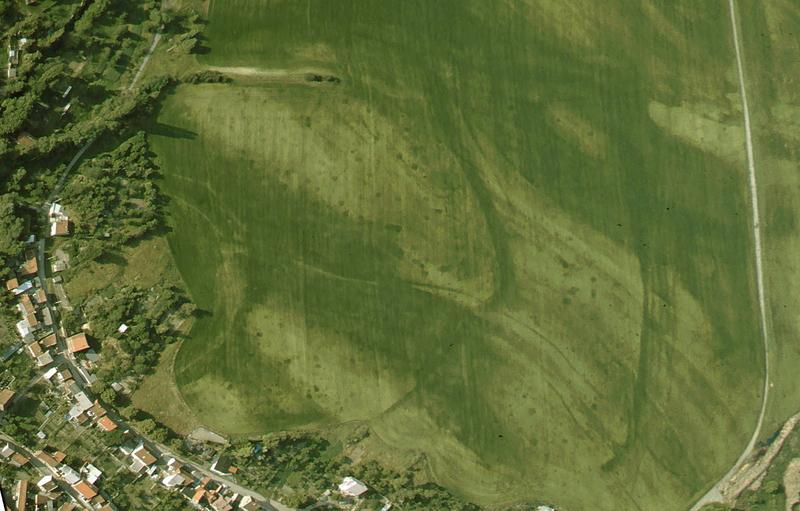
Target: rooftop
{"points": [[77, 343], [85, 489]]}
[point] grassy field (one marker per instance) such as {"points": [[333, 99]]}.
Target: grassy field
{"points": [[772, 53], [515, 237]]}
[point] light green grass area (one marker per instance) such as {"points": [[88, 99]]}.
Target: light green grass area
{"points": [[772, 63], [143, 264], [515, 237], [158, 395]]}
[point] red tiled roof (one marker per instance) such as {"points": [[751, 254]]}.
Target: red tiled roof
{"points": [[144, 456], [87, 490], [77, 343], [106, 423]]}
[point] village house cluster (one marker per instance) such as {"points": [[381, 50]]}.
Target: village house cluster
{"points": [[60, 483], [66, 362]]}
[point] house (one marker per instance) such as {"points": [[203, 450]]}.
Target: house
{"points": [[221, 504], [18, 460], [91, 472], [33, 321], [7, 451], [86, 490], [69, 474], [34, 349], [59, 456], [49, 342], [249, 504], [25, 286], [173, 480], [106, 424], [122, 328], [12, 457], [92, 357], [56, 211], [352, 487], [41, 296], [77, 343], [65, 375], [6, 397], [83, 401], [12, 284], [44, 359], [48, 375], [23, 328], [222, 466], [97, 410], [141, 458], [22, 495], [46, 459], [59, 265], [198, 496], [25, 305], [10, 352], [41, 500], [29, 267], [47, 483], [47, 316], [60, 227]]}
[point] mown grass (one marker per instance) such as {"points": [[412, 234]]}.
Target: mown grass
{"points": [[515, 237]]}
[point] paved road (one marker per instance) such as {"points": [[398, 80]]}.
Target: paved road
{"points": [[715, 493]]}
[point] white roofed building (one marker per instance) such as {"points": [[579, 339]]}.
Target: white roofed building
{"points": [[352, 487]]}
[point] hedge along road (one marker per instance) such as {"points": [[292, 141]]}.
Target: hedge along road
{"points": [[715, 493]]}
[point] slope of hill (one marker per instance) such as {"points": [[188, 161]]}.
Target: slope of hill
{"points": [[511, 235]]}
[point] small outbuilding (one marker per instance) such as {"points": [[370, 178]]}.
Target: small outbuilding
{"points": [[352, 487]]}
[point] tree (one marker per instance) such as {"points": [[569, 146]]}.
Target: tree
{"points": [[772, 487], [10, 231], [109, 395]]}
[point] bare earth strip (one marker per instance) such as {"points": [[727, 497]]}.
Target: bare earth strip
{"points": [[715, 494], [276, 75], [750, 473], [791, 484]]}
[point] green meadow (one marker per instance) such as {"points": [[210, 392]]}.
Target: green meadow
{"points": [[514, 237], [772, 60]]}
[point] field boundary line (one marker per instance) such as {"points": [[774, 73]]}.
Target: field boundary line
{"points": [[717, 493]]}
